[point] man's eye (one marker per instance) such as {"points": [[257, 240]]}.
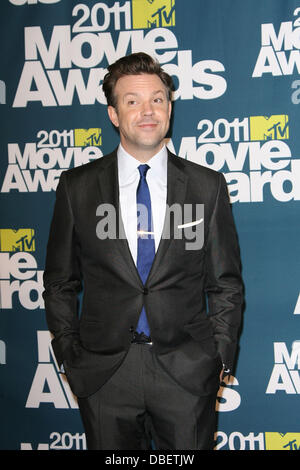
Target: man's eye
{"points": [[131, 102], [158, 100]]}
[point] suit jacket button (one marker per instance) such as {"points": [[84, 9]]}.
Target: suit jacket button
{"points": [[131, 329], [145, 291]]}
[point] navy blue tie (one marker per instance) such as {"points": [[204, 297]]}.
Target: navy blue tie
{"points": [[145, 242]]}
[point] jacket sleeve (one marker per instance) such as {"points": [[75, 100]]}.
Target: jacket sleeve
{"points": [[224, 286], [62, 280]]}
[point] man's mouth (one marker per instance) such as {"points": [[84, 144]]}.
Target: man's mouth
{"points": [[147, 125]]}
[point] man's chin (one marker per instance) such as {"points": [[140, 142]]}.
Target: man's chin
{"points": [[151, 144]]}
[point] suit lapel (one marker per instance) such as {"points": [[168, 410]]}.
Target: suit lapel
{"points": [[109, 192], [176, 190]]}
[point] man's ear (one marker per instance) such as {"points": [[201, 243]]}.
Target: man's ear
{"points": [[113, 115], [170, 109]]}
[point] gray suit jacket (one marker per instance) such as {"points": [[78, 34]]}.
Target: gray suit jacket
{"points": [[193, 298]]}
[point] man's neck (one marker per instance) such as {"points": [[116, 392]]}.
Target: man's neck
{"points": [[143, 155]]}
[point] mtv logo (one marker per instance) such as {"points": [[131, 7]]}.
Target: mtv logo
{"points": [[274, 127], [22, 239], [282, 441], [153, 13], [88, 137]]}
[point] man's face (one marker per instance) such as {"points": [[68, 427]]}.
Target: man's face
{"points": [[142, 114]]}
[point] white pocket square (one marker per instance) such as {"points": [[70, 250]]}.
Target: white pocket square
{"points": [[190, 224]]}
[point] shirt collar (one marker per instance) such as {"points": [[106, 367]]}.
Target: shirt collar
{"points": [[127, 166]]}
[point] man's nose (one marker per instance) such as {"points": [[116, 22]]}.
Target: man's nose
{"points": [[147, 108]]}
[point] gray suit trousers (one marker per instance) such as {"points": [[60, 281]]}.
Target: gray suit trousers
{"points": [[141, 407]]}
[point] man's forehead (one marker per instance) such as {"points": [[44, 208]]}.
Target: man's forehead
{"points": [[136, 83]]}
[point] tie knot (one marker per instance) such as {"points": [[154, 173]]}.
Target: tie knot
{"points": [[143, 170]]}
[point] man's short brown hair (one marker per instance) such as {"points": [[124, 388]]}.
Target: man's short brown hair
{"points": [[134, 64]]}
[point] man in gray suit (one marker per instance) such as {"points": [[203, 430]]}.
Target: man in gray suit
{"points": [[160, 317]]}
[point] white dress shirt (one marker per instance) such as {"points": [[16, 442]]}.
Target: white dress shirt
{"points": [[129, 178]]}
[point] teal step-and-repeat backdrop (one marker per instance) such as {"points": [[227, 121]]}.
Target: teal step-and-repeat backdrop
{"points": [[236, 69]]}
